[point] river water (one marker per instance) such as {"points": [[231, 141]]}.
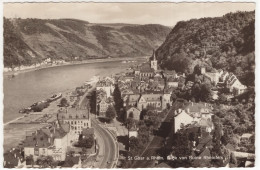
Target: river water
{"points": [[27, 88]]}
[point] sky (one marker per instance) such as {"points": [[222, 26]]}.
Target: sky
{"points": [[135, 13]]}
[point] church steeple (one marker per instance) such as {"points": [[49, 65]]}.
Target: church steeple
{"points": [[154, 61]]}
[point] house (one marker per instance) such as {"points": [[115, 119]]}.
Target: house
{"points": [[47, 142], [166, 100], [181, 119], [132, 100], [172, 82], [103, 105], [133, 131], [14, 159], [246, 138], [206, 125], [126, 92], [152, 100], [135, 113], [223, 77], [146, 71], [167, 74], [160, 84], [197, 110], [234, 85], [213, 76], [100, 95], [107, 85], [77, 119]]}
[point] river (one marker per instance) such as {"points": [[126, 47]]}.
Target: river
{"points": [[29, 87]]}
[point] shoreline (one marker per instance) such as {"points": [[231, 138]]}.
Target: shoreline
{"points": [[24, 114], [12, 121], [10, 73]]}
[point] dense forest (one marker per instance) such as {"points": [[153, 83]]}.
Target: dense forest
{"points": [[226, 42], [27, 41]]}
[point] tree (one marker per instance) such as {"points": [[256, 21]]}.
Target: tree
{"points": [[29, 160], [110, 113], [153, 120], [92, 102], [86, 142], [118, 102], [45, 161], [205, 92], [64, 102], [134, 145], [173, 97], [222, 98], [130, 122]]}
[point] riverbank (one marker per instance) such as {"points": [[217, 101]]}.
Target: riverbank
{"points": [[11, 73]]}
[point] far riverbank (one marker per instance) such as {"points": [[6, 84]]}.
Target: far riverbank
{"points": [[10, 73]]}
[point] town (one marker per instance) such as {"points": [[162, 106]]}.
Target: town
{"points": [[145, 112]]}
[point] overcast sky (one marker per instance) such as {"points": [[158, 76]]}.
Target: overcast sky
{"points": [[136, 13]]}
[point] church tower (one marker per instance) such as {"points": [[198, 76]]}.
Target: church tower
{"points": [[154, 62]]}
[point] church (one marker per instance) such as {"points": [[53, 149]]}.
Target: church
{"points": [[148, 70]]}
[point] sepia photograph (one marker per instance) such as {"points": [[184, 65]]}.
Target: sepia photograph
{"points": [[128, 85]]}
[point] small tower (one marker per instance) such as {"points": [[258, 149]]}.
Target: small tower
{"points": [[154, 62]]}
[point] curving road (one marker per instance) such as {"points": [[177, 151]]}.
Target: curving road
{"points": [[106, 143], [105, 140]]}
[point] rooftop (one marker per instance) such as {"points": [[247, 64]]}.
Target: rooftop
{"points": [[44, 137], [73, 113]]}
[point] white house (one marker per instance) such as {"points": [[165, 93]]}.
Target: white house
{"points": [[181, 119]]}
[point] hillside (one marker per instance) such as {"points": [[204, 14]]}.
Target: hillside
{"points": [[226, 42], [27, 41]]}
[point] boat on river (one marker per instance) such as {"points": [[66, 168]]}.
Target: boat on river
{"points": [[42, 104], [54, 97]]}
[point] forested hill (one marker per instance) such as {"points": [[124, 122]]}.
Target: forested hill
{"points": [[226, 42], [27, 41]]}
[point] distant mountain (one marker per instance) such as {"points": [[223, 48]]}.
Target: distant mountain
{"points": [[27, 41], [226, 42]]}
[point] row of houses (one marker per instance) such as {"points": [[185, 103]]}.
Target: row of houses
{"points": [[224, 78], [53, 140]]}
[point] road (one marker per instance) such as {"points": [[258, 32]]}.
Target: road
{"points": [[107, 145]]}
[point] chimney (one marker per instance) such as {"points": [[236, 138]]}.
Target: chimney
{"points": [[191, 103]]}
